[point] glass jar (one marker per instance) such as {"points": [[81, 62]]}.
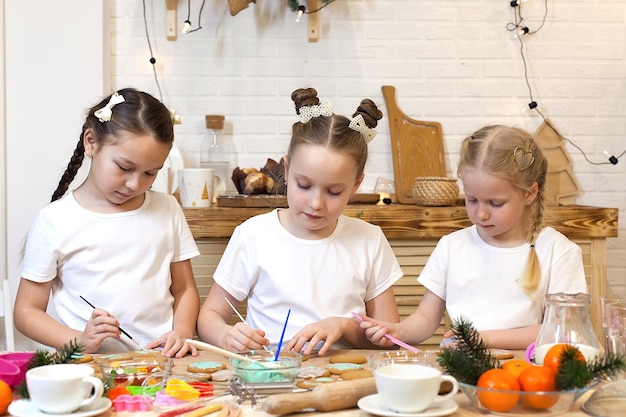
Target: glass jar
{"points": [[218, 152], [566, 320]]}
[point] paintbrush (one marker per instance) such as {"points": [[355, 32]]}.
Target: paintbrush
{"points": [[240, 317], [390, 337], [121, 330], [280, 342]]}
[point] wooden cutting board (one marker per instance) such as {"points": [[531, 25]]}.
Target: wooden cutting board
{"points": [[416, 147], [268, 200]]}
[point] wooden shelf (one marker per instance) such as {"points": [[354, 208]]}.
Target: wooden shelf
{"points": [[412, 222]]}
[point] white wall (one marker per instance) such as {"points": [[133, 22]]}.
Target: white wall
{"points": [[56, 65], [451, 61]]}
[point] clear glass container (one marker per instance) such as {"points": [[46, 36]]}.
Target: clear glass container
{"points": [[567, 320], [218, 152]]}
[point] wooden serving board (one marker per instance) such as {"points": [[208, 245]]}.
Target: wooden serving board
{"points": [[269, 200], [416, 147]]}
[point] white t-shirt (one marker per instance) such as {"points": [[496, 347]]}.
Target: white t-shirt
{"points": [[316, 279], [117, 261], [481, 282]]}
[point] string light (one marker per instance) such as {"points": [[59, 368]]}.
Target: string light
{"points": [[521, 30], [301, 11], [186, 27]]}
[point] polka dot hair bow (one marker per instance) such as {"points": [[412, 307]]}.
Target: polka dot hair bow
{"points": [[309, 112], [358, 124], [105, 113]]}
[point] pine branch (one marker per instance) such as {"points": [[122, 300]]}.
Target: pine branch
{"points": [[469, 357]]}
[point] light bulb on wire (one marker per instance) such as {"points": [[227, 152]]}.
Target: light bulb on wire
{"points": [[301, 10], [521, 32], [531, 106], [185, 27]]}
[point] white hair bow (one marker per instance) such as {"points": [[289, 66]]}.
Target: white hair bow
{"points": [[309, 112], [105, 113], [358, 124]]}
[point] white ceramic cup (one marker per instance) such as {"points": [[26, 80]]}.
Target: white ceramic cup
{"points": [[196, 186], [63, 388], [411, 388]]}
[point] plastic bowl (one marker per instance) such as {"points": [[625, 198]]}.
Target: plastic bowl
{"points": [[403, 356], [267, 371], [125, 370], [541, 403]]}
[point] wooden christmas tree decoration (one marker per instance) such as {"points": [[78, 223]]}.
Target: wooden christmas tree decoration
{"points": [[561, 187]]}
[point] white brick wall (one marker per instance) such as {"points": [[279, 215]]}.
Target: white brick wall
{"points": [[451, 61]]}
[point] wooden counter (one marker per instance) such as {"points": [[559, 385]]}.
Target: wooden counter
{"points": [[413, 232]]}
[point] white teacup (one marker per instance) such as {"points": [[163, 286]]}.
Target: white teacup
{"points": [[63, 388], [410, 388]]}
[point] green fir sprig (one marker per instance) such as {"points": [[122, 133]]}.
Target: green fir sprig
{"points": [[470, 357], [42, 357], [576, 373]]}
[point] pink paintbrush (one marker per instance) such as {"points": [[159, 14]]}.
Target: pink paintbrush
{"points": [[393, 339]]}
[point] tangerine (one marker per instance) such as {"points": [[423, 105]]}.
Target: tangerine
{"points": [[553, 356], [6, 396], [515, 366], [500, 380], [535, 379]]}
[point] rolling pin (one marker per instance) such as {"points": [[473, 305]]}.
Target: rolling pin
{"points": [[324, 397]]}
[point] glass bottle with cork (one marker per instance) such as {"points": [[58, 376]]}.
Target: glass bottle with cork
{"points": [[218, 152]]}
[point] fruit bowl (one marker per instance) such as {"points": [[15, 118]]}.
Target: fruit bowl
{"points": [[264, 370], [523, 403]]}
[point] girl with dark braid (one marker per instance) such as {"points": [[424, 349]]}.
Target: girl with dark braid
{"points": [[309, 257], [113, 242], [496, 272]]}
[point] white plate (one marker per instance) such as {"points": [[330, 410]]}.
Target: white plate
{"points": [[167, 178], [25, 408], [372, 405]]}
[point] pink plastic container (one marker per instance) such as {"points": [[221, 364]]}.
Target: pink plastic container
{"points": [[13, 366]]}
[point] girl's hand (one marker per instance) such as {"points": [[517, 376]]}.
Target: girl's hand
{"points": [[100, 325], [376, 331], [242, 337], [173, 344], [328, 330]]}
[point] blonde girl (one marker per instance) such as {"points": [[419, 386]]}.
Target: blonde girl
{"points": [[496, 272]]}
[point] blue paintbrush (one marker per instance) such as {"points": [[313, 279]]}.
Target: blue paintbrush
{"points": [[280, 342]]}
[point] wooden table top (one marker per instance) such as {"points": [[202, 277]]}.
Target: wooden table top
{"points": [[180, 365]]}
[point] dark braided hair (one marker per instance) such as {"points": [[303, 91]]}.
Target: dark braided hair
{"points": [[332, 131], [139, 113]]}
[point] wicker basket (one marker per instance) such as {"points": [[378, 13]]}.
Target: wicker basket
{"points": [[435, 191]]}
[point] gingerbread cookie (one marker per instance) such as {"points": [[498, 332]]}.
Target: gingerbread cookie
{"points": [[206, 367], [222, 375], [81, 358], [339, 368], [348, 358], [312, 383], [309, 372], [356, 374]]}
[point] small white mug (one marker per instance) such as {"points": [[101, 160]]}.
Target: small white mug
{"points": [[411, 388], [63, 388], [196, 187]]}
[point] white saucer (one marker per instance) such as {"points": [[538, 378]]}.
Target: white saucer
{"points": [[25, 408], [372, 405]]}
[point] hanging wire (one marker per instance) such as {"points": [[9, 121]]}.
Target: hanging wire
{"points": [[152, 59], [199, 15], [516, 25], [294, 5]]}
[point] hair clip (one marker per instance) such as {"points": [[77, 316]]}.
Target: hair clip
{"points": [[309, 112], [358, 124], [523, 158], [105, 113]]}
